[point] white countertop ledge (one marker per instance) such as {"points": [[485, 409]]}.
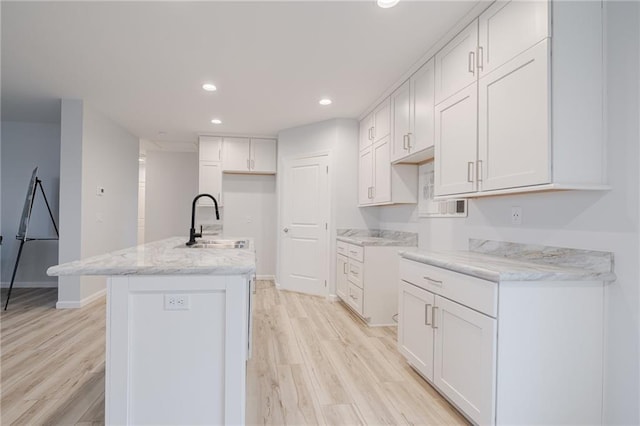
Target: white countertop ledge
{"points": [[497, 268], [164, 257]]}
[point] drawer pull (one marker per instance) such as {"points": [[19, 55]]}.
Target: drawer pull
{"points": [[432, 281], [354, 273], [433, 317], [353, 252], [344, 268]]}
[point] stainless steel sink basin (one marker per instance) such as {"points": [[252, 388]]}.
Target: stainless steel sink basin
{"points": [[220, 244]]}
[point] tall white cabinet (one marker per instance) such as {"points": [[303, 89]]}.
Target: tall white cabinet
{"points": [[509, 115], [210, 169]]}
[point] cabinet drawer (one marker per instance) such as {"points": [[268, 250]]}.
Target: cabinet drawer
{"points": [[356, 271], [478, 294], [355, 298], [342, 248], [356, 252]]}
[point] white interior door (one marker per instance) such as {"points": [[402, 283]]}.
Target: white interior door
{"points": [[304, 234]]}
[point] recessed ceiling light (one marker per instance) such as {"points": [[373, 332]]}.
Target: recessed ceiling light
{"points": [[386, 4], [216, 121], [209, 87], [325, 101]]}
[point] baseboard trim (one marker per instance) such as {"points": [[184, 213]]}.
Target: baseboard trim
{"points": [[30, 284], [333, 298], [73, 304], [266, 277]]}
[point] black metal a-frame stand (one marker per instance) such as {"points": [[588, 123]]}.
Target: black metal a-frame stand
{"points": [[24, 238]]}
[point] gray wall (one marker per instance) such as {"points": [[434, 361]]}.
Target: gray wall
{"points": [[25, 146], [605, 220], [95, 151], [171, 183]]}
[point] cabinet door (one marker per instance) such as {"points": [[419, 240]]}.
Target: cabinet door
{"points": [[235, 154], [263, 155], [210, 148], [508, 28], [382, 121], [365, 177], [422, 108], [513, 122], [465, 361], [342, 281], [210, 182], [366, 132], [400, 101], [415, 334], [381, 172], [456, 143], [455, 63]]}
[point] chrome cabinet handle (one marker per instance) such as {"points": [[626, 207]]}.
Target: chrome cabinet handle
{"points": [[479, 171], [409, 140], [470, 172], [404, 142], [344, 268], [426, 314], [433, 317], [253, 164], [432, 281], [480, 57], [248, 165], [471, 63], [373, 132]]}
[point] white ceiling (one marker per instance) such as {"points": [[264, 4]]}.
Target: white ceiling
{"points": [[143, 63]]}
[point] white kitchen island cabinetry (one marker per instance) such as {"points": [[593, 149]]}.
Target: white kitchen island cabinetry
{"points": [[178, 332], [535, 94], [533, 358], [249, 155]]}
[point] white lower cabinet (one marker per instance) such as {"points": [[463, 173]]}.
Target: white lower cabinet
{"points": [[342, 280], [536, 358], [366, 281]]}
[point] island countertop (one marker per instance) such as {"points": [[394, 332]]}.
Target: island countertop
{"points": [[165, 257]]}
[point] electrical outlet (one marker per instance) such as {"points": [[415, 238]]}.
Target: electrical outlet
{"points": [[176, 302], [516, 215]]}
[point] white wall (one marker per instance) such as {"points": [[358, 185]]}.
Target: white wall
{"points": [[95, 152], [606, 221], [250, 211], [340, 138], [171, 183], [25, 146]]}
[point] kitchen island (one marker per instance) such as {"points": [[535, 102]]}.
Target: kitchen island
{"points": [[177, 333]]}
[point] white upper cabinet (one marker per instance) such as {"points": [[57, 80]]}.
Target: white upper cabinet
{"points": [[401, 123], [534, 112], [381, 172], [365, 177], [210, 148], [412, 106], [456, 143], [513, 119], [508, 28], [376, 126], [244, 155], [455, 63]]}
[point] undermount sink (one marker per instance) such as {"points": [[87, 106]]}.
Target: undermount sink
{"points": [[220, 244]]}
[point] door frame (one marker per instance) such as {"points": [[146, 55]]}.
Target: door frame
{"points": [[281, 198]]}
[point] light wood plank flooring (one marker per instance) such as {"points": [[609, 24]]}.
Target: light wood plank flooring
{"points": [[313, 363]]}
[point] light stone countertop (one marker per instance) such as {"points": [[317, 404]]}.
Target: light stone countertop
{"points": [[377, 237], [165, 257], [534, 264]]}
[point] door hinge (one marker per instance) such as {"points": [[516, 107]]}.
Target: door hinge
{"points": [[325, 283], [326, 226], [327, 169]]}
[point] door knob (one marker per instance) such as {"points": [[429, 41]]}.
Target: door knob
{"points": [[286, 230]]}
